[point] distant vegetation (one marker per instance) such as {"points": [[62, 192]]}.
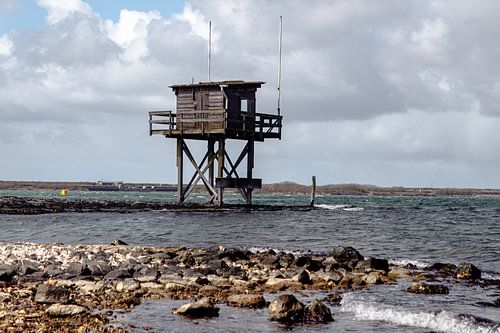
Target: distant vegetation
{"points": [[278, 188]]}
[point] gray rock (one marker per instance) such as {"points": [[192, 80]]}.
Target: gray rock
{"points": [[118, 274], [373, 264], [468, 271], [98, 268], [335, 276], [233, 255], [270, 259], [54, 270], [127, 285], [147, 275], [27, 267], [445, 268], [303, 277], [187, 259], [346, 254], [423, 288], [316, 312], [7, 272], [77, 269], [333, 299], [308, 263], [287, 260], [51, 294], [247, 301], [202, 308], [118, 242], [286, 309], [61, 310]]}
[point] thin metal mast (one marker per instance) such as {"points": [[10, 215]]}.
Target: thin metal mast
{"points": [[279, 66], [209, 48]]}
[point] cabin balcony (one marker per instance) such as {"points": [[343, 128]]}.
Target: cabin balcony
{"points": [[215, 124]]}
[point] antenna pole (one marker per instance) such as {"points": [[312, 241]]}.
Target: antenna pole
{"points": [[209, 48], [279, 66]]}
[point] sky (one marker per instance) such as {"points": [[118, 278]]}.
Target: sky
{"points": [[389, 93]]}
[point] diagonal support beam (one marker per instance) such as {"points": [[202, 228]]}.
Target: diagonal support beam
{"points": [[238, 161], [198, 170], [194, 179], [197, 178]]}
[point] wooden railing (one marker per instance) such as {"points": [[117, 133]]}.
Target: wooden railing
{"points": [[205, 121], [163, 118]]}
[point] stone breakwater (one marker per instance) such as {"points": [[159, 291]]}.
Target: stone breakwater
{"points": [[57, 287], [34, 206]]}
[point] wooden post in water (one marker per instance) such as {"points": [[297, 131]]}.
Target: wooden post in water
{"points": [[313, 190]]}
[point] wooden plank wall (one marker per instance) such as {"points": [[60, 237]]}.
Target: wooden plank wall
{"points": [[205, 99]]}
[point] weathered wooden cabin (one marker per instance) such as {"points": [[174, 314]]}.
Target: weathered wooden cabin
{"points": [[215, 112]]}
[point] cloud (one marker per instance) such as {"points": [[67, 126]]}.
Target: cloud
{"points": [[378, 90], [6, 45], [130, 33], [60, 10]]}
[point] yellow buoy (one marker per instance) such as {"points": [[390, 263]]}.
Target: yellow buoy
{"points": [[64, 192]]}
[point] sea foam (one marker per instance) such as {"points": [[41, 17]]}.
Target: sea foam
{"points": [[442, 321], [347, 208]]}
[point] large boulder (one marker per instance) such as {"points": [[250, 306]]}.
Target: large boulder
{"points": [[27, 267], [147, 275], [468, 271], [308, 263], [233, 255], [118, 274], [423, 288], [117, 242], [7, 272], [316, 312], [270, 259], [51, 294], [372, 264], [247, 301], [346, 254], [98, 268], [302, 277], [445, 268], [77, 269], [202, 308], [286, 309]]}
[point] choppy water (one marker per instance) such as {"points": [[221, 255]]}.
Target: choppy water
{"points": [[403, 229]]}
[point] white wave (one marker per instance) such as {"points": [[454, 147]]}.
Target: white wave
{"points": [[440, 321], [490, 276], [330, 207], [347, 208], [353, 209], [403, 262], [257, 249]]}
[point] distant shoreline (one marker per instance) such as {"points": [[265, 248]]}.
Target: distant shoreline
{"points": [[277, 188]]}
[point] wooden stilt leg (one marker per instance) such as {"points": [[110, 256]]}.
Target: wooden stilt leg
{"points": [[250, 165], [220, 166], [180, 171]]}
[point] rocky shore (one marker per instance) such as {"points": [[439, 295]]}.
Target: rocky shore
{"points": [[32, 206], [57, 287]]}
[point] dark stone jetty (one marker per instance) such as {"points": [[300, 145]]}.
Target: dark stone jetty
{"points": [[32, 206], [74, 288]]}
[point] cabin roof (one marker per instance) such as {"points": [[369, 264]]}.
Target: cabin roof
{"points": [[219, 84]]}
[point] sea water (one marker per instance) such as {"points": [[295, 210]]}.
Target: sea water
{"points": [[417, 230]]}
